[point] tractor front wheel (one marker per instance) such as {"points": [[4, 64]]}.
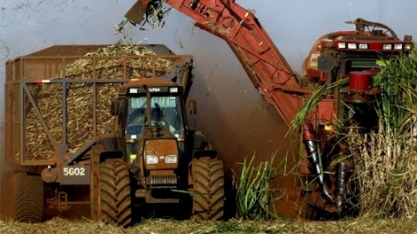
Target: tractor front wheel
{"points": [[208, 194], [112, 200]]}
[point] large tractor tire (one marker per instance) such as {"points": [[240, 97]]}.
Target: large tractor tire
{"points": [[208, 194], [112, 200], [25, 201]]}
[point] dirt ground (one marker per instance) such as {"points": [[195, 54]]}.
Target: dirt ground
{"points": [[159, 226]]}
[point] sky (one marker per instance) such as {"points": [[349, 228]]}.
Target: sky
{"points": [[231, 112]]}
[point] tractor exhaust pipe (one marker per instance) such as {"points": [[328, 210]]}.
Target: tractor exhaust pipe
{"points": [[311, 144]]}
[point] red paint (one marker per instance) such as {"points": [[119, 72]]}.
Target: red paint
{"points": [[359, 81], [326, 111], [309, 133], [262, 61]]}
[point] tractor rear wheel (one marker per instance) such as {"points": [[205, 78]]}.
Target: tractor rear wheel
{"points": [[26, 197], [113, 195], [208, 194]]}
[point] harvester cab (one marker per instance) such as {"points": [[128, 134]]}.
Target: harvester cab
{"points": [[357, 56], [343, 52]]}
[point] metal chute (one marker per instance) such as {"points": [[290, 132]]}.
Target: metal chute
{"points": [[137, 11]]}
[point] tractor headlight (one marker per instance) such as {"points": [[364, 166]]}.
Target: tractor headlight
{"points": [[398, 46], [363, 46], [341, 45], [171, 159], [351, 45], [407, 46], [133, 90], [386, 46], [151, 159]]}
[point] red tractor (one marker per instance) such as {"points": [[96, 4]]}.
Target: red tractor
{"points": [[354, 55]]}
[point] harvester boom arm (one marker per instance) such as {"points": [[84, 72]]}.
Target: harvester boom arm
{"points": [[266, 67]]}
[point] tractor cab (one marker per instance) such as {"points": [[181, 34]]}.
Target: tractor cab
{"points": [[150, 126], [161, 110]]}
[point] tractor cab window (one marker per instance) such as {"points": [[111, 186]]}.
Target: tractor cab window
{"points": [[361, 65], [165, 112]]}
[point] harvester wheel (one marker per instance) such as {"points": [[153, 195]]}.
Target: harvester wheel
{"points": [[114, 193], [208, 194], [26, 197]]}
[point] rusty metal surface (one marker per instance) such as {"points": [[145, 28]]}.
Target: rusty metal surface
{"points": [[161, 148], [137, 11]]}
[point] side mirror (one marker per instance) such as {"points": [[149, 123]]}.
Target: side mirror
{"points": [[192, 106], [326, 63], [114, 106]]}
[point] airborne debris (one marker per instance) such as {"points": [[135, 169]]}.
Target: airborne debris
{"points": [[180, 44], [154, 16]]}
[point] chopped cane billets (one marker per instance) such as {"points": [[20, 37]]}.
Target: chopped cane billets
{"points": [[112, 62]]}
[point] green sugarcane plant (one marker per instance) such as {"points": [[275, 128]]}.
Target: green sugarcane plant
{"points": [[253, 193], [315, 98], [387, 157]]}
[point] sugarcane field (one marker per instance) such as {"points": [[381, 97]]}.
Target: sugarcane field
{"points": [[208, 116]]}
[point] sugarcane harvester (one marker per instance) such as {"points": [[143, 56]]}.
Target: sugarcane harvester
{"points": [[72, 151], [350, 55]]}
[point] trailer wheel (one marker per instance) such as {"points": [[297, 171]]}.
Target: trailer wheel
{"points": [[114, 193], [26, 198], [208, 195]]}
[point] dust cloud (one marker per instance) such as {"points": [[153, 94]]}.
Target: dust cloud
{"points": [[231, 113]]}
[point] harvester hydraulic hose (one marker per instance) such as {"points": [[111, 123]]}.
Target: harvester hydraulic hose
{"points": [[340, 184], [311, 145]]}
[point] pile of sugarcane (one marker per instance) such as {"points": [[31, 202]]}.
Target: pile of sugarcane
{"points": [[105, 63], [111, 66]]}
